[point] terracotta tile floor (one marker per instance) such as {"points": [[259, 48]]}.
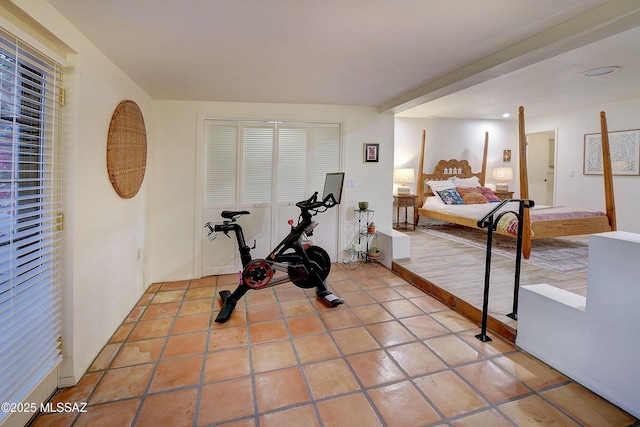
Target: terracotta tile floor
{"points": [[391, 356]]}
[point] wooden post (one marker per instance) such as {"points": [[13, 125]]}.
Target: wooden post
{"points": [[420, 187], [524, 185], [483, 178], [607, 172]]}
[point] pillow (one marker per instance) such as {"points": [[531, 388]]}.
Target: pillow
{"points": [[489, 194], [440, 185], [450, 197], [472, 182], [471, 196]]}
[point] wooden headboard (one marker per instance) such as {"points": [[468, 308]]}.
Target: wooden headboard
{"points": [[446, 169]]}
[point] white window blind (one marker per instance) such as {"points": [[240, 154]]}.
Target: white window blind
{"points": [[29, 206]]}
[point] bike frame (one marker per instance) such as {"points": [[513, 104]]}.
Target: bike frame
{"points": [[279, 258]]}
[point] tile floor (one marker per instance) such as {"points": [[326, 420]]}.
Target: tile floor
{"points": [[390, 356]]}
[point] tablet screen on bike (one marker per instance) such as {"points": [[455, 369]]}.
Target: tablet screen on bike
{"points": [[333, 185]]}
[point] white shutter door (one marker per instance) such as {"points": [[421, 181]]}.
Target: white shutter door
{"points": [[324, 157], [292, 164], [257, 165], [221, 147], [220, 193], [280, 164]]}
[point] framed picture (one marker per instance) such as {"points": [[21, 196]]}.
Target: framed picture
{"points": [[506, 156], [371, 152], [624, 147]]}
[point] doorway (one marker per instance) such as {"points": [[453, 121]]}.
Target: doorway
{"points": [[541, 156]]}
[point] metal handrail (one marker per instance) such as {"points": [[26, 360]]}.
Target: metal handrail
{"points": [[484, 223], [490, 223]]}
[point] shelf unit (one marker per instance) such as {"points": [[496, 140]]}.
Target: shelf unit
{"points": [[362, 239]]}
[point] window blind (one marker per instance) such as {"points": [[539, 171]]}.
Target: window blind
{"points": [[29, 209]]}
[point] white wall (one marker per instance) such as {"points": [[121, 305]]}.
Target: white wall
{"points": [[171, 215], [102, 279], [455, 139]]}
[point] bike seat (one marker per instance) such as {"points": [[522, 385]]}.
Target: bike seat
{"points": [[233, 214]]}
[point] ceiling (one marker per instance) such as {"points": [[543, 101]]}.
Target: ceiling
{"points": [[416, 58]]}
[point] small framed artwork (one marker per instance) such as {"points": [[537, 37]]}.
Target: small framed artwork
{"points": [[506, 156], [624, 147], [371, 152]]}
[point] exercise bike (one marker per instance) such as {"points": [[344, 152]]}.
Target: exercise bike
{"points": [[305, 265]]}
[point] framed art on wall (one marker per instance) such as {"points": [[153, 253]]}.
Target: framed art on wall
{"points": [[371, 152], [506, 156], [625, 153]]}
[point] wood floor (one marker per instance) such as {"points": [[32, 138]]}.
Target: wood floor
{"points": [[455, 274]]}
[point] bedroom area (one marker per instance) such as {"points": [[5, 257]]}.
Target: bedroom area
{"points": [[449, 260], [564, 259]]}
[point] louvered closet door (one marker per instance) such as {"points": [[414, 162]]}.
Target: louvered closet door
{"points": [[324, 152], [265, 169]]}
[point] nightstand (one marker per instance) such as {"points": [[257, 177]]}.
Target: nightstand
{"points": [[503, 195], [405, 201]]}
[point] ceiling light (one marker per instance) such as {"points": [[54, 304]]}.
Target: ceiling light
{"points": [[600, 71], [505, 115]]}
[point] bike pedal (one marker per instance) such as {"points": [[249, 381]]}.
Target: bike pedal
{"points": [[336, 302], [333, 300], [224, 295]]}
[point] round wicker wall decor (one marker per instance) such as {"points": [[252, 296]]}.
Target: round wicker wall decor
{"points": [[127, 149]]}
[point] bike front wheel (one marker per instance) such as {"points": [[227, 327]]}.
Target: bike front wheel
{"points": [[321, 262]]}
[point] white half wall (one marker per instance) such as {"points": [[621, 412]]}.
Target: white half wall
{"points": [[593, 340]]}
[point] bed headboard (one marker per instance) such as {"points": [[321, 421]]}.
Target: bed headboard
{"points": [[446, 169]]}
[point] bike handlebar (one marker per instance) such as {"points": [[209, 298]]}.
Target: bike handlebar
{"points": [[313, 203]]}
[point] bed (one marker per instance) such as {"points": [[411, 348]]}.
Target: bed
{"points": [[539, 222]]}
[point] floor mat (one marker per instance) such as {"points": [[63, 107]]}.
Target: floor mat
{"points": [[561, 254]]}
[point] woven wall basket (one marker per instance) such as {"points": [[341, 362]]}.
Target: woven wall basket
{"points": [[127, 149]]}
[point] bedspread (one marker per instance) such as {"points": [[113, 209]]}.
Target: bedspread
{"points": [[509, 223]]}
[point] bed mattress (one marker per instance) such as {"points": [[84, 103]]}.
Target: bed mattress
{"points": [[537, 213]]}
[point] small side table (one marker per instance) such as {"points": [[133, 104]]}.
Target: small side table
{"points": [[405, 201], [503, 195]]}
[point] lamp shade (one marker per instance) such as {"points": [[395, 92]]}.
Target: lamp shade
{"points": [[404, 176], [502, 174]]}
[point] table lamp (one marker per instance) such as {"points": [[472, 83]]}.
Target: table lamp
{"points": [[404, 176], [502, 174]]}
